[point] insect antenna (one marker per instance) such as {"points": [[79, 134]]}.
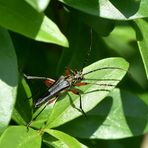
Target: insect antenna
{"points": [[34, 118], [89, 51], [103, 80], [104, 69]]}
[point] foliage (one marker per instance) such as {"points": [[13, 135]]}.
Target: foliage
{"points": [[41, 38]]}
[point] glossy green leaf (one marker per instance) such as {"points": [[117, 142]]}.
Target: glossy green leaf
{"points": [[120, 10], [39, 5], [23, 19], [120, 115], [142, 37], [19, 137], [67, 140], [53, 142], [105, 75], [8, 78]]}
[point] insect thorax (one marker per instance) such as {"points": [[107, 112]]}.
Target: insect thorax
{"points": [[75, 77]]}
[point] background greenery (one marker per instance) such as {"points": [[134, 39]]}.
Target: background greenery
{"points": [[41, 38]]}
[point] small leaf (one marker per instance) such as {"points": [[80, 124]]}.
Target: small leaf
{"points": [[120, 115], [19, 137], [66, 140], [142, 37], [23, 19], [105, 75], [8, 78], [39, 5], [121, 10]]}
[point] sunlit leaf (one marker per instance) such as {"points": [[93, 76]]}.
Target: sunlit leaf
{"points": [[19, 17], [121, 10], [8, 78], [120, 115], [19, 137], [39, 5], [142, 37], [105, 75], [66, 140]]}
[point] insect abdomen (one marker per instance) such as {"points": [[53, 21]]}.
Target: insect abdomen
{"points": [[53, 91]]}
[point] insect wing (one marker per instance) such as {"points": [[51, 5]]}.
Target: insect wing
{"points": [[53, 91]]}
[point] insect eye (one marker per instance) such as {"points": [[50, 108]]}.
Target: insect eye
{"points": [[80, 78]]}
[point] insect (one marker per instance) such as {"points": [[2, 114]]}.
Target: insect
{"points": [[66, 83]]}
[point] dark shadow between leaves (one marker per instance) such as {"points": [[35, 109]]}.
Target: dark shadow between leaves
{"points": [[135, 111], [127, 7], [82, 127]]}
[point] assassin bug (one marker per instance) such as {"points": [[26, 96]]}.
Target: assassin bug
{"points": [[67, 83]]}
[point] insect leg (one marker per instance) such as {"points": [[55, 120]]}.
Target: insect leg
{"points": [[86, 83], [77, 93], [28, 124], [49, 102], [48, 81], [81, 84], [67, 72], [104, 68]]}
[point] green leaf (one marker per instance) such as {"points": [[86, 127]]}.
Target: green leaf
{"points": [[8, 78], [122, 41], [122, 47], [22, 111], [43, 117], [120, 115], [142, 37], [39, 5], [19, 137], [120, 10], [23, 19], [67, 140], [108, 74]]}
